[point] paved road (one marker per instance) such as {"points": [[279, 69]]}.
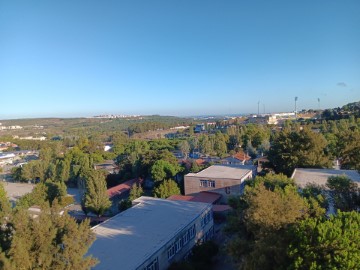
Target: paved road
{"points": [[16, 190]]}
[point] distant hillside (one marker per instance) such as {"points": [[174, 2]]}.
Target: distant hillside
{"points": [[83, 126], [350, 109]]}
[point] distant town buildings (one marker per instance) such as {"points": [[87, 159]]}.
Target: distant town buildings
{"points": [[152, 234], [116, 116], [10, 127]]}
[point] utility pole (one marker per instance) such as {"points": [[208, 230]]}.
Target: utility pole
{"points": [[296, 98]]}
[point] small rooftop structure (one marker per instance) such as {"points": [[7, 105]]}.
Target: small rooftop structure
{"points": [[130, 238], [303, 177], [204, 196], [229, 172]]}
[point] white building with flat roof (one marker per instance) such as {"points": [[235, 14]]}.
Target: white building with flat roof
{"points": [[302, 177], [226, 180], [151, 235]]}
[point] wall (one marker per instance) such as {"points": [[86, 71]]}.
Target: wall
{"points": [[161, 256], [226, 187]]}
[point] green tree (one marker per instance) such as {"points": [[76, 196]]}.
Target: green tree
{"points": [[184, 148], [349, 146], [166, 189], [96, 198], [291, 149], [345, 192], [4, 204], [135, 192], [314, 194], [51, 241], [321, 243], [260, 221], [162, 170]]}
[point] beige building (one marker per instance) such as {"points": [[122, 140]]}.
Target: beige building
{"points": [[152, 234], [304, 177], [225, 180]]}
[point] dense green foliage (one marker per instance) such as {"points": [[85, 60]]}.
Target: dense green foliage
{"points": [[345, 192], [50, 241], [321, 243], [95, 198], [291, 149], [166, 189], [275, 226], [136, 192]]}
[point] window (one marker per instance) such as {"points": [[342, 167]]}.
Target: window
{"points": [[203, 183], [206, 218], [186, 238], [227, 190], [207, 183], [192, 232], [154, 265], [178, 245], [171, 251]]}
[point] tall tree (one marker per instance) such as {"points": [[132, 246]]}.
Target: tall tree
{"points": [[184, 148], [322, 243], [162, 170], [345, 192], [349, 144], [166, 189], [136, 192], [291, 149], [50, 241], [96, 198], [261, 219]]}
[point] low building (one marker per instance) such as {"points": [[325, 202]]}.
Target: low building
{"points": [[240, 158], [219, 210], [225, 180], [151, 235], [121, 192], [302, 177]]}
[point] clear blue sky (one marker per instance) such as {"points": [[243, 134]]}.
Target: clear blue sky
{"points": [[171, 57]]}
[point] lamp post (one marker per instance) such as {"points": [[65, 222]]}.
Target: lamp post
{"points": [[296, 98]]}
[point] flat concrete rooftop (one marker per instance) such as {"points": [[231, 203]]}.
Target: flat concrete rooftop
{"points": [[236, 172], [303, 177], [131, 237]]}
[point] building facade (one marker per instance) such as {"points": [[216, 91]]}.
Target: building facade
{"points": [[225, 180], [152, 234]]}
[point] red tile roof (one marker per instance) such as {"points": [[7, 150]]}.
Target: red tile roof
{"points": [[200, 161], [124, 187], [242, 156]]}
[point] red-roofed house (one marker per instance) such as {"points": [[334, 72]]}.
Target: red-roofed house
{"points": [[240, 158], [121, 192]]}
